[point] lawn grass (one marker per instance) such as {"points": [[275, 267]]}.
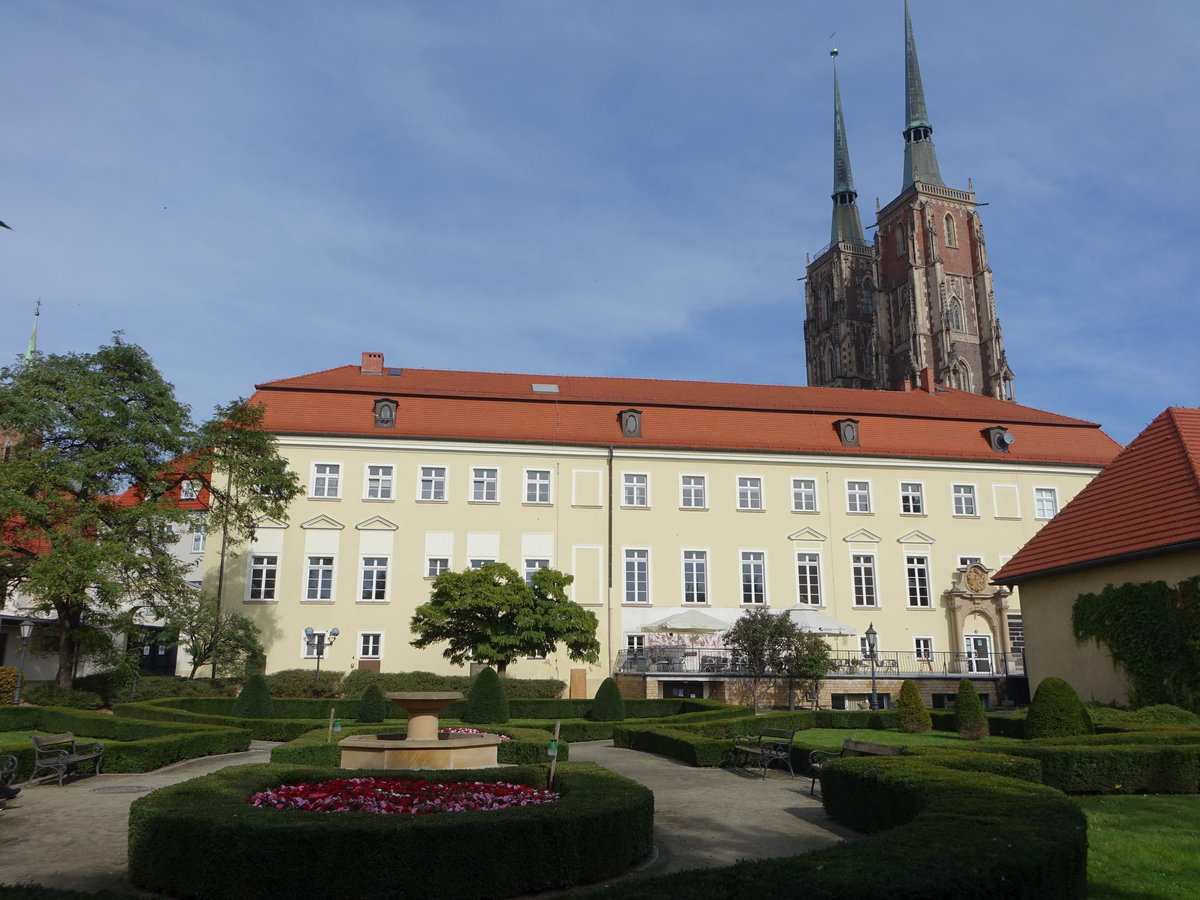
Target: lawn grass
{"points": [[1143, 846], [17, 737], [831, 738]]}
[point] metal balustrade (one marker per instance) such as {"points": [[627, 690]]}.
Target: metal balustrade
{"points": [[683, 659]]}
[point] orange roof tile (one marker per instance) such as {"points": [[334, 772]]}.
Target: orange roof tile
{"points": [[1146, 502], [485, 406]]}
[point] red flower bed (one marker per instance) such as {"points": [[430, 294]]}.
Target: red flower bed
{"points": [[398, 795], [503, 737]]}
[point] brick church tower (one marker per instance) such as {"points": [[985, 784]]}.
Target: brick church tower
{"points": [[921, 295]]}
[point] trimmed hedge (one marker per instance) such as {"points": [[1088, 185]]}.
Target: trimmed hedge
{"points": [[200, 711], [601, 826], [527, 747], [1024, 840], [514, 688], [129, 745], [1007, 725]]}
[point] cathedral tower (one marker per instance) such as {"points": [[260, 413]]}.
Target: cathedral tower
{"points": [[928, 300]]}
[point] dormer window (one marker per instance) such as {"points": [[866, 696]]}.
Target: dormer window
{"points": [[189, 489], [631, 422], [385, 413], [847, 430], [999, 438]]}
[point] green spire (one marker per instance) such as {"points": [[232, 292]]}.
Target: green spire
{"points": [[920, 161], [847, 226]]}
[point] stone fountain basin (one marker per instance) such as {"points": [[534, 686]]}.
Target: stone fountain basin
{"points": [[395, 751]]}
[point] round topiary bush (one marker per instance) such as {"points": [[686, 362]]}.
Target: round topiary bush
{"points": [[969, 717], [1056, 711], [373, 707], [912, 716], [609, 705], [254, 702], [486, 703]]}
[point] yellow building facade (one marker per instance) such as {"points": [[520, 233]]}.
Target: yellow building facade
{"points": [[662, 499]]}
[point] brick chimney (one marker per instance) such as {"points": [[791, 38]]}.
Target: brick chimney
{"points": [[926, 380], [372, 364]]}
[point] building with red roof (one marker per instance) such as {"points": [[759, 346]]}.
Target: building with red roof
{"points": [[676, 505], [1138, 521]]}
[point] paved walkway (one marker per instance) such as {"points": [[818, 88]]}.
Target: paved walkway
{"points": [[74, 837]]}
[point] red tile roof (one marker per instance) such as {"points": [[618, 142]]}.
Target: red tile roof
{"points": [[485, 406], [1147, 501]]}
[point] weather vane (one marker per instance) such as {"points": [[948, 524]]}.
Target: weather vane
{"points": [[834, 52]]}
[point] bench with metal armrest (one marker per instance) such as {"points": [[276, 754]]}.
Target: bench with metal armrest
{"points": [[61, 753], [817, 758], [772, 745]]}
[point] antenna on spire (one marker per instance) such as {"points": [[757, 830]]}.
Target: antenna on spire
{"points": [[32, 348], [834, 51]]}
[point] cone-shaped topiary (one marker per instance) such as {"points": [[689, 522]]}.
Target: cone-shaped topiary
{"points": [[913, 717], [969, 717], [254, 702], [486, 703], [609, 705], [373, 707], [1055, 711]]}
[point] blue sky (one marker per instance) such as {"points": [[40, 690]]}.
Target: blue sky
{"points": [[255, 190]]}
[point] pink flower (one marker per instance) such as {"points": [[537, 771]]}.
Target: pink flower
{"points": [[397, 795]]}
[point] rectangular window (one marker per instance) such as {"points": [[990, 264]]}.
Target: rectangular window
{"points": [[804, 495], [862, 571], [916, 569], [964, 500], [637, 576], [754, 577], [923, 648], [326, 477], [912, 498], [374, 578], [379, 482], [263, 572], [537, 485], [370, 645], [433, 483], [199, 536], [808, 578], [858, 496], [635, 642], [320, 578], [1045, 503], [435, 566], [750, 493], [532, 565], [695, 576], [636, 489], [964, 561], [479, 563], [484, 485], [189, 490], [691, 491]]}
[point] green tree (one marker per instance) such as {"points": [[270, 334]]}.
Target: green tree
{"points": [[805, 658], [89, 489], [491, 615], [913, 717], [762, 640], [608, 705], [486, 703], [969, 717], [212, 636]]}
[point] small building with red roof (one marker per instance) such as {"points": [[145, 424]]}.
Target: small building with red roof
{"points": [[1138, 521]]}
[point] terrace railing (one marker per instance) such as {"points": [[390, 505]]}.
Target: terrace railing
{"points": [[683, 659]]}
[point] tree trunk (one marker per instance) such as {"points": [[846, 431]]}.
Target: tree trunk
{"points": [[67, 648]]}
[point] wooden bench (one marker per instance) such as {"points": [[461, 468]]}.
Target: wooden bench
{"points": [[52, 754], [817, 758], [772, 745]]}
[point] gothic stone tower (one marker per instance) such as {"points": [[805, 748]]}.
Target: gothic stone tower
{"points": [[921, 296]]}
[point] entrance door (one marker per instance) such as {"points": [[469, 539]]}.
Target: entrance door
{"points": [[979, 652]]}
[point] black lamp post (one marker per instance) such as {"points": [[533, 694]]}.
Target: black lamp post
{"points": [[26, 627], [872, 645], [317, 646]]}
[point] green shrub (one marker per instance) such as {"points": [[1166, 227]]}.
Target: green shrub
{"points": [[609, 705], [969, 719], [373, 707], [110, 685], [254, 702], [153, 687], [173, 833], [305, 683], [8, 683], [514, 688], [1055, 711], [910, 709], [44, 693], [486, 703]]}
